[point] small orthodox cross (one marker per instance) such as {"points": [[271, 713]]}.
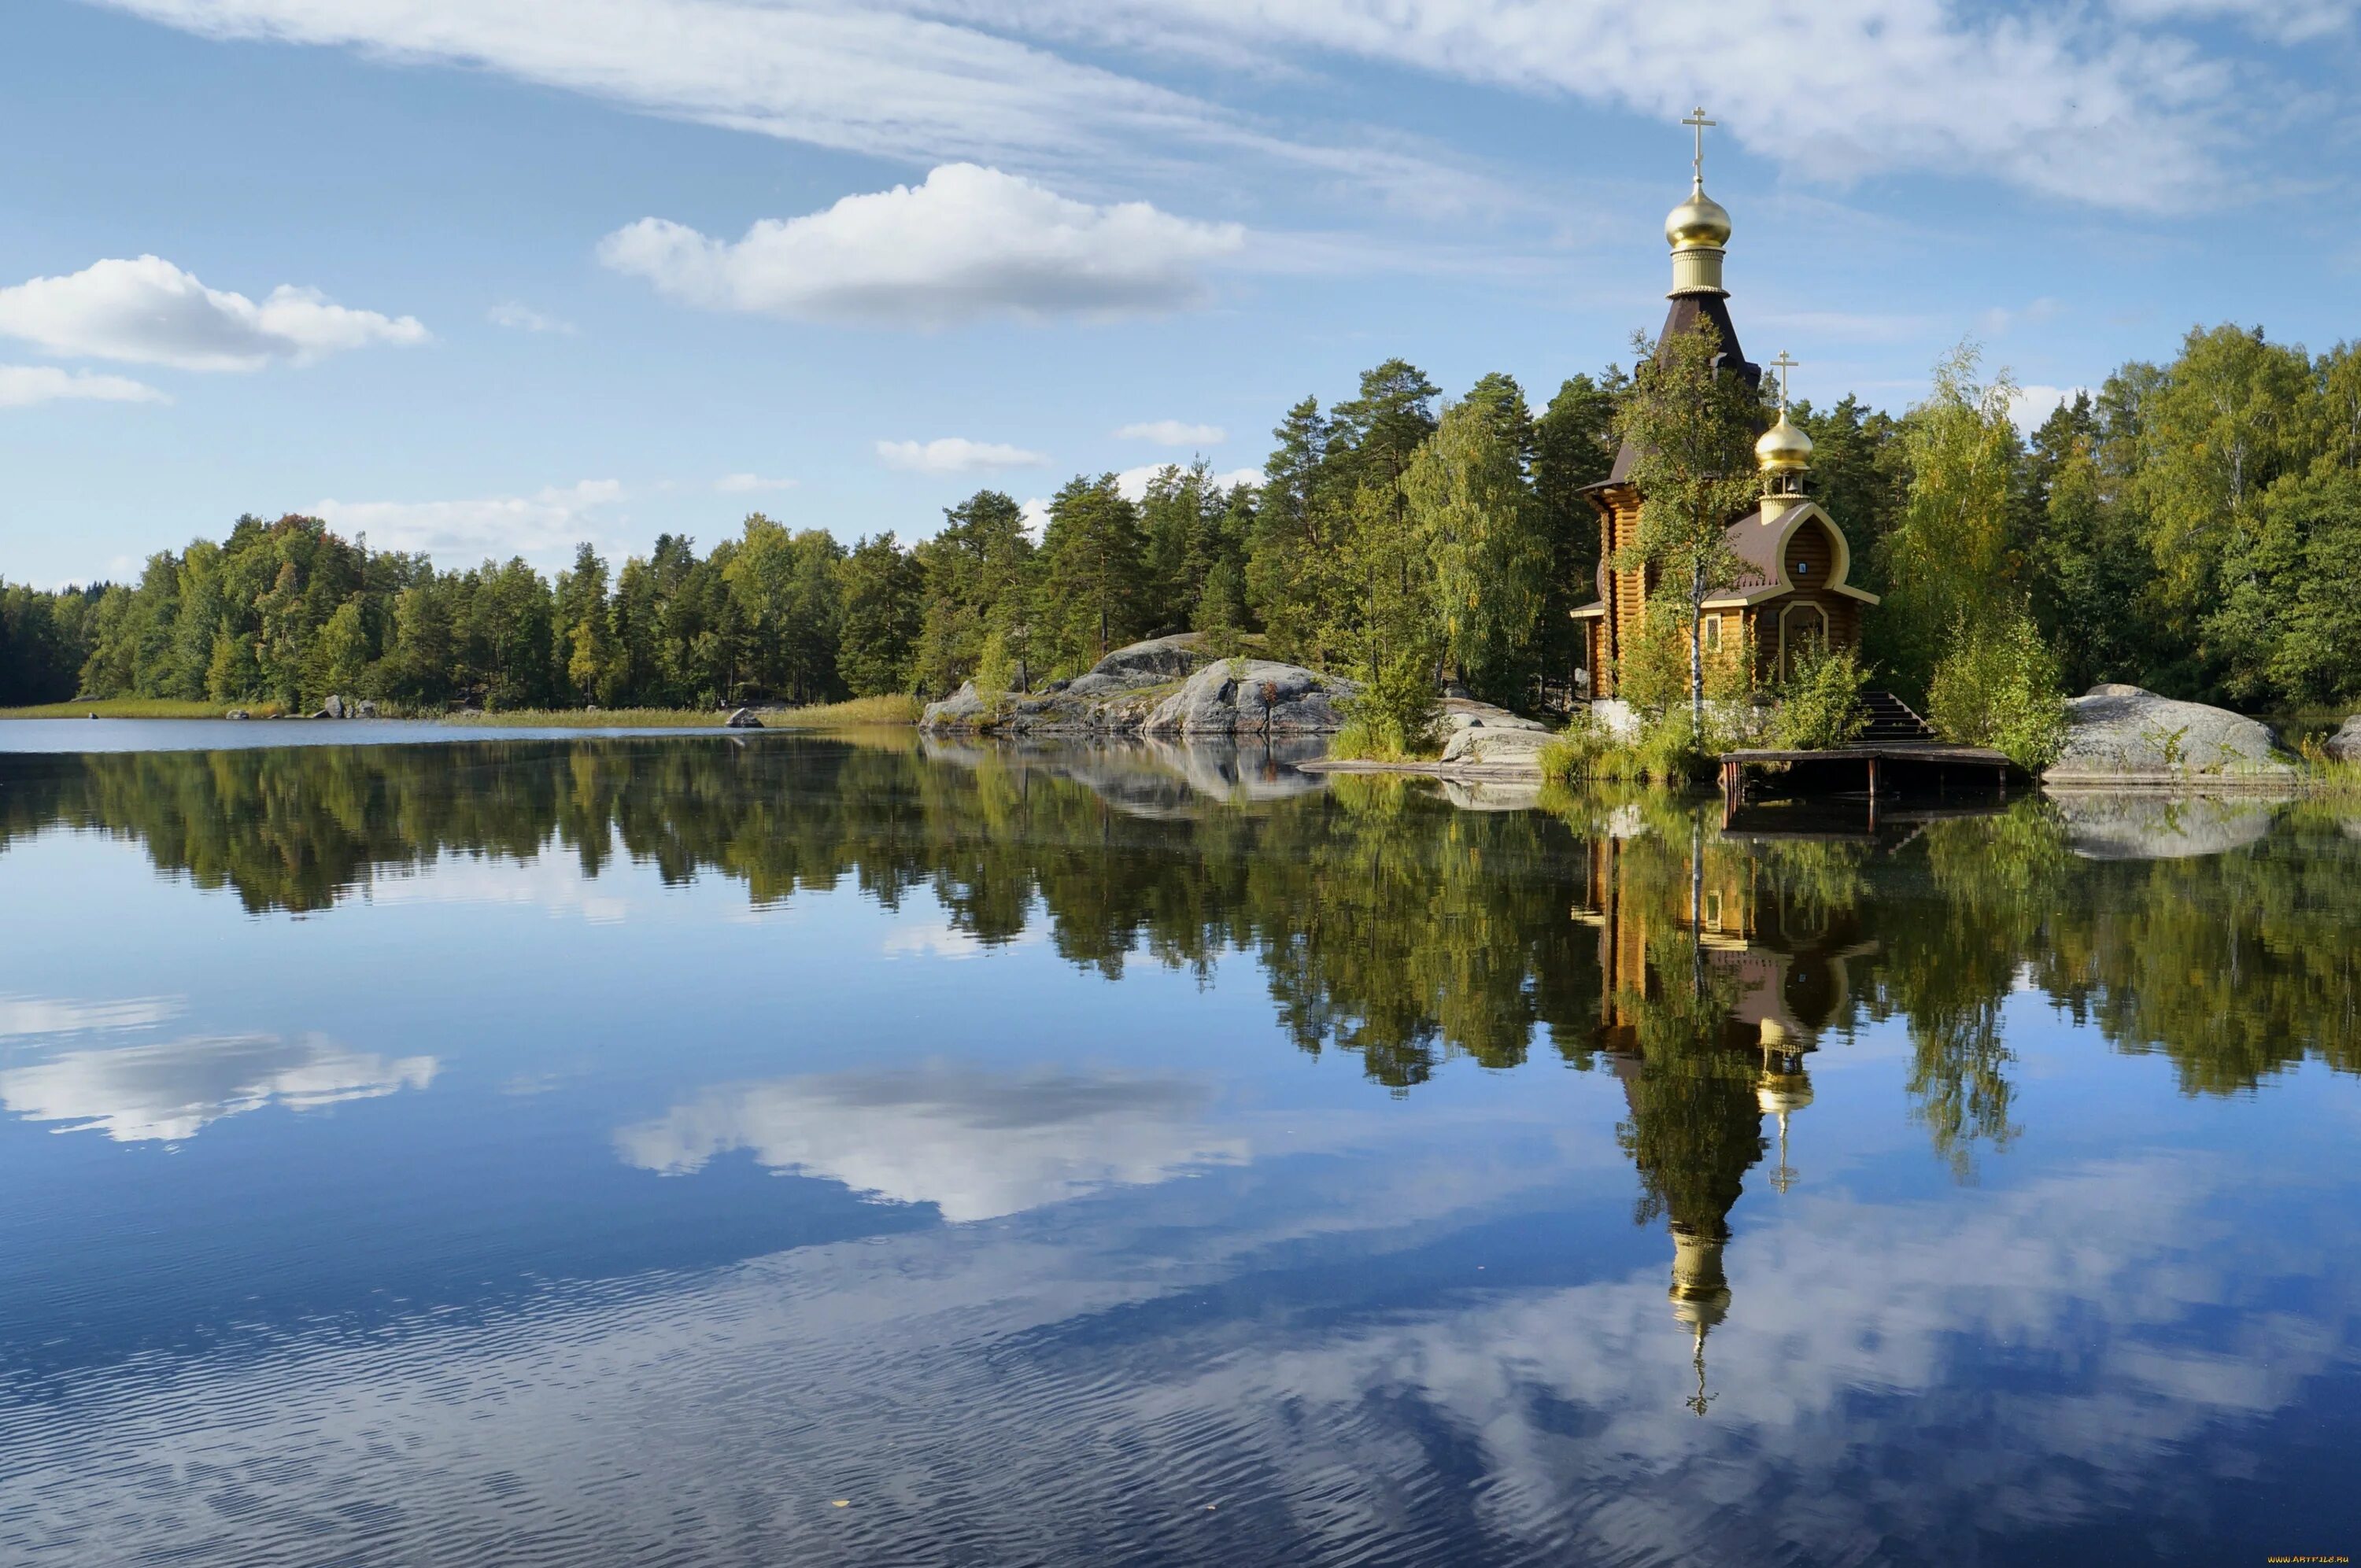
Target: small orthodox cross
{"points": [[1696, 118], [1783, 365]]}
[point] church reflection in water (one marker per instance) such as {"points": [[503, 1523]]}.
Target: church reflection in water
{"points": [[1718, 980]]}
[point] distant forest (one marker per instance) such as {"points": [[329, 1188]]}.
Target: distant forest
{"points": [[2195, 529]]}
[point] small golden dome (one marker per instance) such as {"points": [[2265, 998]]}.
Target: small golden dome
{"points": [[1698, 220], [1783, 449], [1776, 1092]]}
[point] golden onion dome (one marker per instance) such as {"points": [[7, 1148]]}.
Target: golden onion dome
{"points": [[1784, 448], [1699, 221]]}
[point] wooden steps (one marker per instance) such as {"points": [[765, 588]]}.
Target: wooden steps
{"points": [[1891, 720]]}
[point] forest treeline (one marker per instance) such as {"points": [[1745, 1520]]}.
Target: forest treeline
{"points": [[2194, 527]]}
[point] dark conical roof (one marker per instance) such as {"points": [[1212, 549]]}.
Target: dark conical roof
{"points": [[1687, 313]]}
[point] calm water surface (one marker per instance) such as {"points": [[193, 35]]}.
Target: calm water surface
{"points": [[711, 1150]]}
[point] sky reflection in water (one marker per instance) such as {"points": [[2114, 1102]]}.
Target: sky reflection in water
{"points": [[605, 1150]]}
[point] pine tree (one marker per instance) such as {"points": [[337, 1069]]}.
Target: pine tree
{"points": [[1093, 573]]}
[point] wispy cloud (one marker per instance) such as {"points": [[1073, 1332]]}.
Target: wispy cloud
{"points": [[524, 318], [539, 526], [148, 312], [21, 385], [2105, 105], [1173, 433], [748, 484], [956, 454]]}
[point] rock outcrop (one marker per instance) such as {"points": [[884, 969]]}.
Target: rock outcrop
{"points": [[742, 719], [2122, 734], [1167, 686], [1252, 696], [2345, 744], [1484, 746]]}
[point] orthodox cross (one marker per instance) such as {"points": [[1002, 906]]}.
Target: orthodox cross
{"points": [[1783, 365], [1696, 118]]}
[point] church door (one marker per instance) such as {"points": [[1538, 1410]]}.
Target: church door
{"points": [[1803, 631]]}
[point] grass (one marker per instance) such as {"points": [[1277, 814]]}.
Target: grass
{"points": [[860, 711], [865, 711], [1359, 741], [137, 707]]}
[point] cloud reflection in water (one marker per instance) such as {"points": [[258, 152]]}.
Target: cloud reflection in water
{"points": [[976, 1143], [173, 1089]]}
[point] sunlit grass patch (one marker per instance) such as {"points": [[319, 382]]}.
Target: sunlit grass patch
{"points": [[137, 707]]}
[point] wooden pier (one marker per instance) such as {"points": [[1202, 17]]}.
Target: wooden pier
{"points": [[1945, 760]]}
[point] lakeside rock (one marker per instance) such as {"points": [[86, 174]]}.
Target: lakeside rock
{"points": [[2344, 746], [742, 719], [1483, 736], [2124, 734], [1166, 687], [1252, 696]]}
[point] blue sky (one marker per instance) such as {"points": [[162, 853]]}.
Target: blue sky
{"points": [[490, 276]]}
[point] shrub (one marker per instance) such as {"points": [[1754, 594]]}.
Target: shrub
{"points": [[1819, 705], [995, 673], [1665, 754], [1394, 717], [1998, 684]]}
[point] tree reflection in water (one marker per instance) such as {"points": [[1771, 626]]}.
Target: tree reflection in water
{"points": [[1703, 968]]}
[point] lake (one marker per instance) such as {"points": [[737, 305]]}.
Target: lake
{"points": [[736, 1149]]}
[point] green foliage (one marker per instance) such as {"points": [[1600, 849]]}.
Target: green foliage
{"points": [[1665, 752], [1821, 706], [1487, 560], [996, 672], [1948, 557], [1394, 717], [881, 618], [1573, 446], [1996, 684], [2194, 527], [1091, 597], [1690, 423]]}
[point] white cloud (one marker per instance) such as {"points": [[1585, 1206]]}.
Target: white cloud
{"points": [[148, 312], [524, 318], [170, 1091], [2031, 405], [956, 454], [977, 1145], [550, 520], [1173, 433], [1134, 482], [969, 243], [747, 484], [2102, 105], [21, 385], [1035, 514]]}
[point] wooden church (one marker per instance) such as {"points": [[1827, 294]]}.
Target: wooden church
{"points": [[1791, 592]]}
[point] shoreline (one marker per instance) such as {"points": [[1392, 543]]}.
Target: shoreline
{"points": [[857, 713]]}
